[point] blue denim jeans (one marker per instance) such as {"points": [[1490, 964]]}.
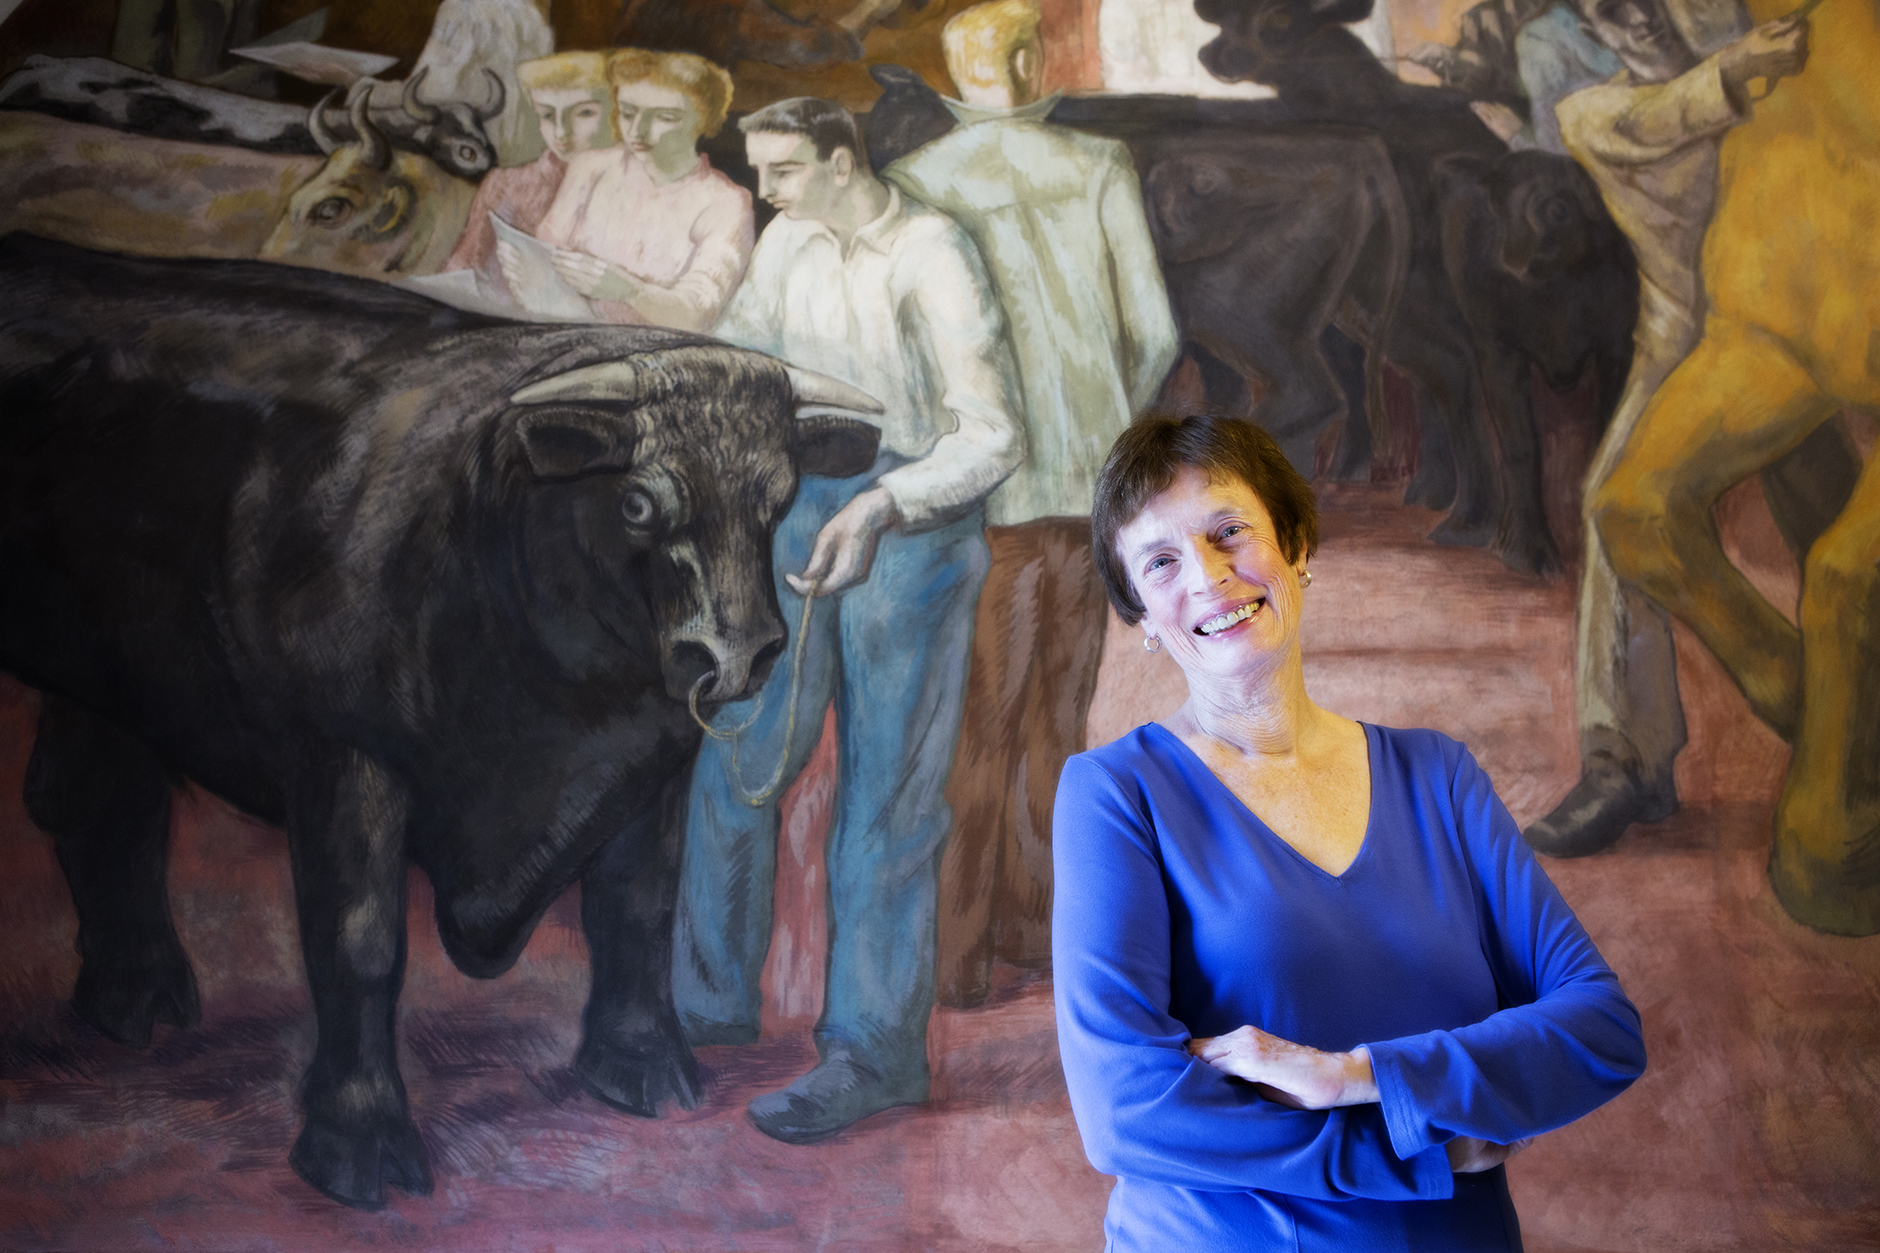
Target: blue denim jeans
{"points": [[892, 653]]}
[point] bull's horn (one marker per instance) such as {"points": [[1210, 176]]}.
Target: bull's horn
{"points": [[611, 380], [499, 95], [414, 104], [317, 127], [812, 388], [377, 150]]}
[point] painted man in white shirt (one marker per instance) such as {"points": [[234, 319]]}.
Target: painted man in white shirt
{"points": [[1057, 214], [854, 281]]}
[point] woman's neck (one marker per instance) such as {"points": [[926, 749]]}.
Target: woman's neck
{"points": [[662, 176], [1266, 714]]}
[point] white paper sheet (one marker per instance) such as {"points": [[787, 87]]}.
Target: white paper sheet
{"points": [[543, 294], [317, 63]]}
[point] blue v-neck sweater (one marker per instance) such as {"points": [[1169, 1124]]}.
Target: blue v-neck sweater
{"points": [[1443, 948]]}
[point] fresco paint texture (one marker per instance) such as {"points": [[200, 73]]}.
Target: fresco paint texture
{"points": [[415, 584]]}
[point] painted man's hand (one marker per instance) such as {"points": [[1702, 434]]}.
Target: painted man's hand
{"points": [[1777, 49], [1290, 1074], [594, 278], [845, 547]]}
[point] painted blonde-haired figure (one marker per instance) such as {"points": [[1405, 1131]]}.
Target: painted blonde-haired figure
{"points": [[1058, 216], [574, 108], [648, 231]]}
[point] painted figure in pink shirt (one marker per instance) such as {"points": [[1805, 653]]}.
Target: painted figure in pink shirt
{"points": [[649, 232], [574, 106]]}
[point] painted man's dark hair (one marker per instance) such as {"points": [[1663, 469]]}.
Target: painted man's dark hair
{"points": [[1152, 451], [823, 122]]}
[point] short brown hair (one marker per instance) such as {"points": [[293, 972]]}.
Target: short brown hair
{"points": [[1152, 451], [823, 122], [707, 86]]}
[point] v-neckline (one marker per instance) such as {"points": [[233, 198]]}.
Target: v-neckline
{"points": [[1370, 809]]}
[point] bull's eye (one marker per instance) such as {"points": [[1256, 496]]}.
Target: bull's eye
{"points": [[331, 211], [1556, 213], [638, 509], [467, 154]]}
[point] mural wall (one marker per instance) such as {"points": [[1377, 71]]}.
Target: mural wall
{"points": [[545, 581]]}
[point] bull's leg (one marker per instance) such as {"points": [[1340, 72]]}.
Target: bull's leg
{"points": [[1736, 404], [1825, 863], [105, 800], [347, 833], [633, 1053], [1302, 396], [1351, 461], [1436, 349], [1432, 484], [1522, 540], [1223, 387]]}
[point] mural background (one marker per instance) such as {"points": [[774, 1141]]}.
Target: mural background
{"points": [[1757, 1126]]}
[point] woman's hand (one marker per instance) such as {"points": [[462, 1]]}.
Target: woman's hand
{"points": [[1467, 1155], [1291, 1074], [595, 278], [509, 261]]}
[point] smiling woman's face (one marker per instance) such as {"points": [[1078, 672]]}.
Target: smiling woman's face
{"points": [[1207, 564]]}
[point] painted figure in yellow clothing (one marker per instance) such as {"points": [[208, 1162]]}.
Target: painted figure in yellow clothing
{"points": [[1651, 137], [1791, 270]]}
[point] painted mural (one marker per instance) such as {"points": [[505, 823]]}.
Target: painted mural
{"points": [[545, 583]]}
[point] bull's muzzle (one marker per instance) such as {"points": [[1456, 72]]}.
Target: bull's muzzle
{"points": [[717, 671]]}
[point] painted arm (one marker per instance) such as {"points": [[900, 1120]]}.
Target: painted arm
{"points": [[754, 317], [1150, 341], [718, 245], [948, 307], [1146, 1109], [1622, 125]]}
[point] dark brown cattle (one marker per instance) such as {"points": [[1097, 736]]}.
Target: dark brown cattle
{"points": [[1489, 474]]}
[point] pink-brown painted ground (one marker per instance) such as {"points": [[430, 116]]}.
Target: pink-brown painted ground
{"points": [[1756, 1128]]}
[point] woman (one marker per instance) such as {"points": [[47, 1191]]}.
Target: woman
{"points": [[649, 232], [574, 108], [1312, 988]]}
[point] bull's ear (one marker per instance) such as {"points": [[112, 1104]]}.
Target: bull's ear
{"points": [[567, 443], [396, 207], [832, 447]]}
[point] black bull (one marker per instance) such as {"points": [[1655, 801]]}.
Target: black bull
{"points": [[412, 584]]}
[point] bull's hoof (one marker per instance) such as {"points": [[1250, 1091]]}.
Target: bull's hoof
{"points": [[1454, 532], [123, 998], [1433, 486], [637, 1077], [353, 1167], [1528, 551]]}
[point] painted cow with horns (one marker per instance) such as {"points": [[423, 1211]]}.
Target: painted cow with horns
{"points": [[450, 131], [416, 585], [373, 209]]}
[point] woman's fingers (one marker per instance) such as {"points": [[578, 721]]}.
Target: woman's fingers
{"points": [[1468, 1155]]}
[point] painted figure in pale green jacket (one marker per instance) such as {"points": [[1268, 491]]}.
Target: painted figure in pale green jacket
{"points": [[1058, 216]]}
